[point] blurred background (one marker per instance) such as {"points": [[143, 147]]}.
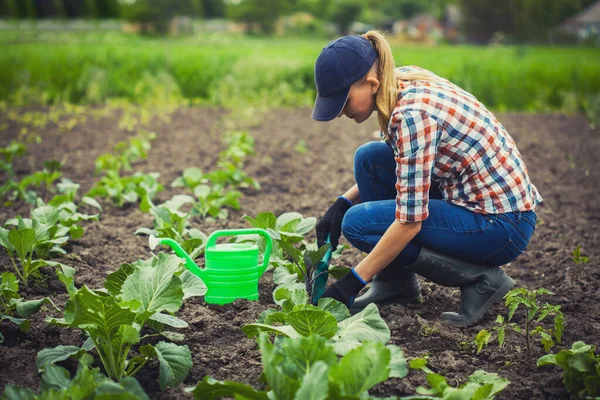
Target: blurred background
{"points": [[514, 55]]}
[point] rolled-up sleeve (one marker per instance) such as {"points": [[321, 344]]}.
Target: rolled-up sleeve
{"points": [[416, 136]]}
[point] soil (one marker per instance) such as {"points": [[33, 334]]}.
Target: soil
{"points": [[561, 153]]}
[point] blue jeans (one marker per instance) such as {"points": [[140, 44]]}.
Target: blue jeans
{"points": [[490, 239]]}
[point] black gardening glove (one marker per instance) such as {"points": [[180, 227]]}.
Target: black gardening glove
{"points": [[331, 223], [345, 290]]}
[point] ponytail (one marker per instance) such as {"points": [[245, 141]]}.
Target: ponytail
{"points": [[387, 95]]}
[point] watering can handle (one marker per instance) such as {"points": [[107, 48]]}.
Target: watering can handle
{"points": [[212, 240]]}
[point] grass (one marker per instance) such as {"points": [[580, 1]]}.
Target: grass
{"points": [[227, 70]]}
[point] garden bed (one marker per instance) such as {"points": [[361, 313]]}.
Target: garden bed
{"points": [[561, 153]]}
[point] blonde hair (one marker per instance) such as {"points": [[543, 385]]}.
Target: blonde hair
{"points": [[387, 95]]}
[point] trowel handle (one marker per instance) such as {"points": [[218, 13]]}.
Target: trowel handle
{"points": [[212, 240], [327, 257]]}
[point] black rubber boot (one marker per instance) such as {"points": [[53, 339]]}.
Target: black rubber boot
{"points": [[393, 284], [480, 285]]}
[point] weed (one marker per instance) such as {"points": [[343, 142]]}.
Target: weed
{"points": [[578, 258]]}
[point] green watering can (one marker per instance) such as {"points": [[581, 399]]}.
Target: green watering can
{"points": [[231, 270]]}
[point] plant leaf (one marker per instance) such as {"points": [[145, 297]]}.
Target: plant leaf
{"points": [[488, 378], [295, 292], [22, 323], [366, 325], [362, 368], [26, 308], [4, 241], [313, 322], [192, 285], [315, 383], [398, 365], [91, 202], [155, 287], [126, 389], [282, 276], [48, 215], [175, 363], [482, 339], [338, 310], [211, 389], [23, 241], [96, 311], [169, 320], [55, 377], [114, 281], [298, 355], [53, 355], [252, 330]]}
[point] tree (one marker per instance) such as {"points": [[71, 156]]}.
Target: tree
{"points": [[106, 9], [263, 13], [519, 20], [8, 9], [401, 9], [77, 9], [214, 8], [45, 8], [318, 8], [346, 12], [156, 14]]}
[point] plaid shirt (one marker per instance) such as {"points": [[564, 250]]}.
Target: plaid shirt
{"points": [[444, 136]]}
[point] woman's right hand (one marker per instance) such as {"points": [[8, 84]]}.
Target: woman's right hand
{"points": [[331, 223]]}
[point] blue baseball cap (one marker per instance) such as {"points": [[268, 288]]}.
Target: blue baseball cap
{"points": [[340, 64]]}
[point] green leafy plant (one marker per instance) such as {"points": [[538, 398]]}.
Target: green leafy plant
{"points": [[133, 150], [577, 257], [229, 172], [145, 293], [289, 228], [534, 314], [67, 193], [126, 189], [483, 337], [240, 144], [300, 147], [29, 238], [231, 176], [581, 369], [170, 222], [295, 260], [8, 154], [61, 212], [329, 318], [190, 178], [13, 307], [308, 368], [53, 223], [302, 268], [212, 200], [480, 385], [15, 190], [87, 383]]}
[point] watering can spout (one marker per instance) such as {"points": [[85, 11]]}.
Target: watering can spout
{"points": [[190, 264]]}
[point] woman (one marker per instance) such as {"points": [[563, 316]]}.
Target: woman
{"points": [[446, 196]]}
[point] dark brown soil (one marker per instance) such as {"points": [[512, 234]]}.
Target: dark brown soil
{"points": [[561, 153]]}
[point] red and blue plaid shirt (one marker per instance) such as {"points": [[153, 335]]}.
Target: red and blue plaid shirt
{"points": [[441, 135]]}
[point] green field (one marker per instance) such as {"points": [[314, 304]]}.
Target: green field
{"points": [[227, 70]]}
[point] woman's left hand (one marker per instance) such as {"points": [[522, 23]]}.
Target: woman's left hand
{"points": [[345, 290]]}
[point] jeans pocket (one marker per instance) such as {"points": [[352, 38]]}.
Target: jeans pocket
{"points": [[477, 224], [530, 217], [523, 228], [504, 255]]}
